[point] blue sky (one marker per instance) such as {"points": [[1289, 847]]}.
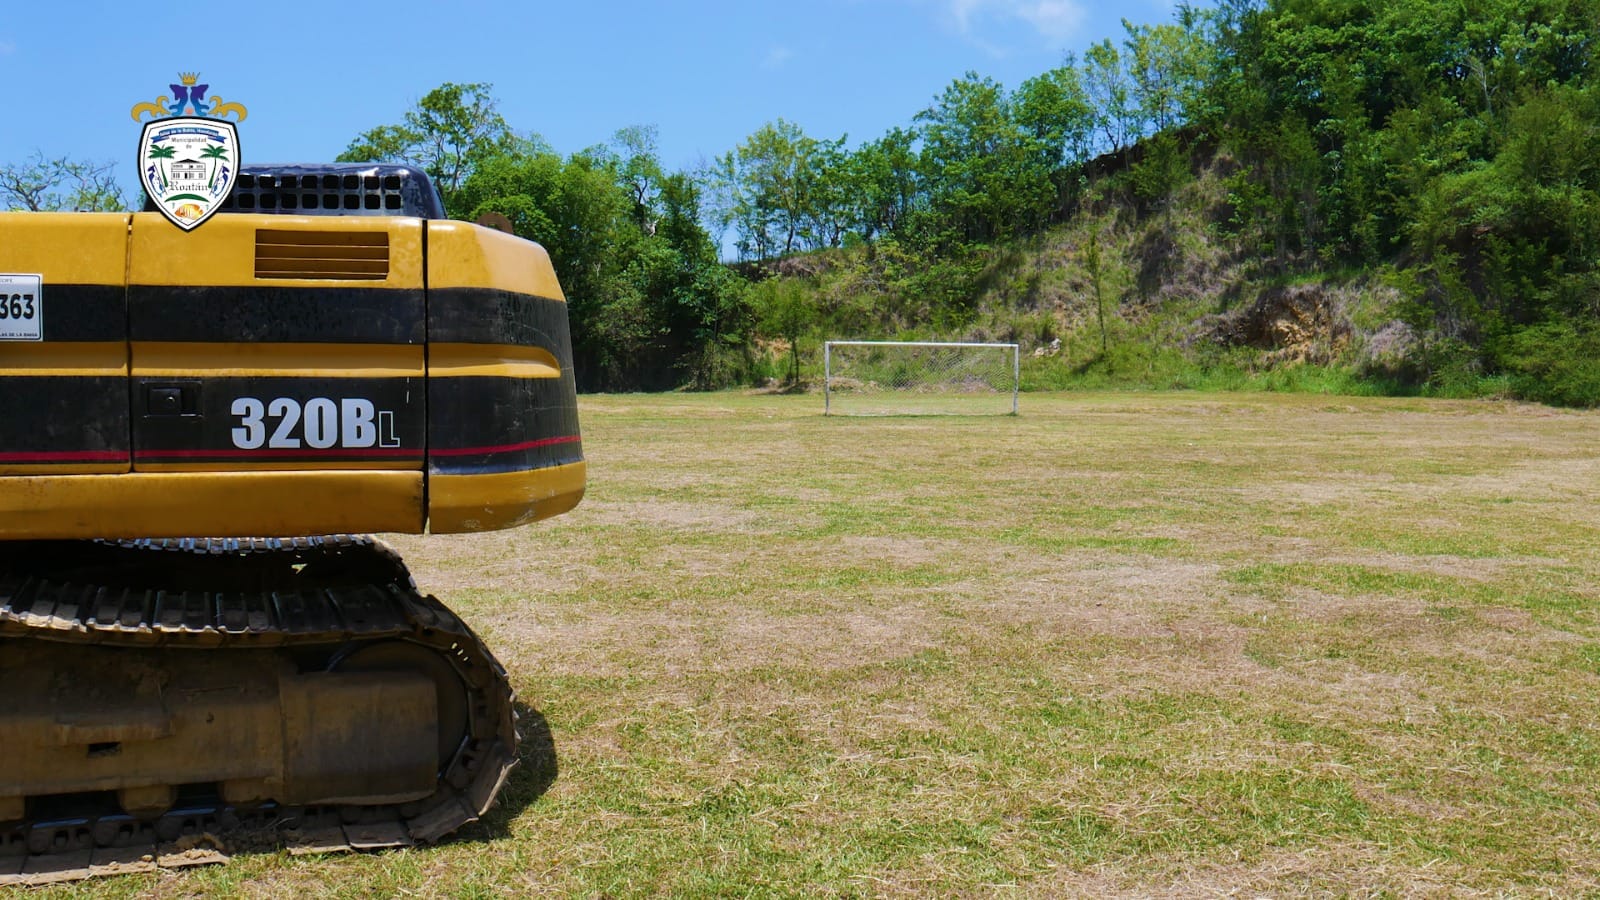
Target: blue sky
{"points": [[315, 74]]}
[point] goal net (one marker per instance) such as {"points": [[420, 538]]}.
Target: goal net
{"points": [[900, 378]]}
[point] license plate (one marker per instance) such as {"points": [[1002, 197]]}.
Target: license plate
{"points": [[21, 308]]}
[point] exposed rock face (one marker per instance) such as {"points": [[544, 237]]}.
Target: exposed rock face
{"points": [[1301, 322]]}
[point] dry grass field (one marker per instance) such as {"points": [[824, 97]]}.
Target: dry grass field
{"points": [[1122, 644]]}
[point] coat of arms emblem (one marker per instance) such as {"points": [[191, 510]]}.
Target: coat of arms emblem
{"points": [[188, 151]]}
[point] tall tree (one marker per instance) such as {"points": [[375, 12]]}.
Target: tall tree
{"points": [[639, 172], [1165, 68], [449, 133], [1055, 109], [1105, 78], [984, 170], [885, 183], [770, 188]]}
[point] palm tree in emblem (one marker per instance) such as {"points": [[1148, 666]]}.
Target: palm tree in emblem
{"points": [[159, 152], [214, 152]]}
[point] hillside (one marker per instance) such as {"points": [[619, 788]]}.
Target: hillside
{"points": [[1398, 197], [1186, 304]]}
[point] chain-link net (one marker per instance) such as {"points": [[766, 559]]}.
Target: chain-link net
{"points": [[912, 379]]}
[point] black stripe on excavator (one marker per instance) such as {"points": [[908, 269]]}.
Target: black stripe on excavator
{"points": [[233, 314], [85, 312], [65, 419], [491, 424], [278, 419], [488, 316]]}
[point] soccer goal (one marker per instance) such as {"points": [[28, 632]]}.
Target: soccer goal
{"points": [[906, 378]]}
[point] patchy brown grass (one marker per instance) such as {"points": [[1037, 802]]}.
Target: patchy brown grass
{"points": [[1120, 645]]}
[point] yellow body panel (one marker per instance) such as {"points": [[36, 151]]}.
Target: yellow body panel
{"points": [[64, 358], [81, 468], [223, 252], [462, 255], [462, 503], [98, 245], [177, 360], [493, 360], [217, 504]]}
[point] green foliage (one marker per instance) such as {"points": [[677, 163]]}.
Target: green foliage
{"points": [[1556, 362], [782, 191], [630, 258], [1055, 111], [987, 176], [51, 185], [784, 309], [1163, 169], [449, 133]]}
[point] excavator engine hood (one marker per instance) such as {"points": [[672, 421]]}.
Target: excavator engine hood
{"points": [[281, 373]]}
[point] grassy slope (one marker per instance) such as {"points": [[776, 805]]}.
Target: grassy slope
{"points": [[1123, 643], [1168, 278]]}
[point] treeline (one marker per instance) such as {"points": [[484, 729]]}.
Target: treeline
{"points": [[1449, 149], [637, 247], [651, 305]]}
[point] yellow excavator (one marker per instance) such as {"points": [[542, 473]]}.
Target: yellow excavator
{"points": [[197, 429]]}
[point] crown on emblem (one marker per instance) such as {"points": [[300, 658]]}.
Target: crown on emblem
{"points": [[189, 95]]}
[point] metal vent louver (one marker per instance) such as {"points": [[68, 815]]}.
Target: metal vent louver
{"points": [[341, 255]]}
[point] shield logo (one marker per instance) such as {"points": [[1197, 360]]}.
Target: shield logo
{"points": [[187, 166]]}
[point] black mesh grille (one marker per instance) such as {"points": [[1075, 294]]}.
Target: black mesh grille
{"points": [[319, 194], [334, 189]]}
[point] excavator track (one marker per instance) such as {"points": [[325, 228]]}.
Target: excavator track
{"points": [[317, 605]]}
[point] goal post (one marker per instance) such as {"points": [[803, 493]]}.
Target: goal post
{"points": [[915, 378]]}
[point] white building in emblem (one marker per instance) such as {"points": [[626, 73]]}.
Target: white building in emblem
{"points": [[188, 175]]}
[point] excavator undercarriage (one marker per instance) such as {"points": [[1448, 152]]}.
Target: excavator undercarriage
{"points": [[259, 668]]}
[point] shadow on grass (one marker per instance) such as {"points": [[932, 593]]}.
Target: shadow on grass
{"points": [[533, 774]]}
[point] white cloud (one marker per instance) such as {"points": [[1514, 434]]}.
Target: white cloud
{"points": [[776, 57], [1054, 20]]}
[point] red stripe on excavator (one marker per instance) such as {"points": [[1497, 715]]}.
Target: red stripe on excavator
{"points": [[277, 454], [504, 448], [355, 452]]}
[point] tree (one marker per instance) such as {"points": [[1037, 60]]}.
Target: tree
{"points": [[830, 193], [160, 154], [1105, 78], [704, 309], [638, 167], [784, 310], [449, 133], [985, 173], [769, 186], [1055, 110], [214, 152], [1094, 265], [44, 185], [885, 183], [1165, 67], [650, 306]]}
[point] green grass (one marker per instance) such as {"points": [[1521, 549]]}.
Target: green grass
{"points": [[1265, 644]]}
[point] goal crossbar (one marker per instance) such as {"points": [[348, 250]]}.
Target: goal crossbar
{"points": [[951, 372]]}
